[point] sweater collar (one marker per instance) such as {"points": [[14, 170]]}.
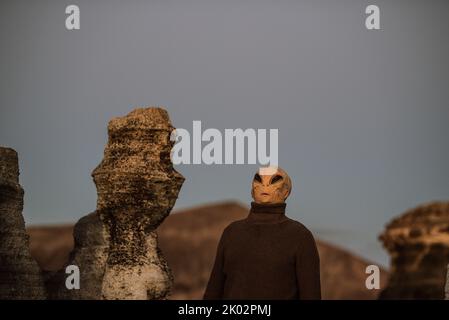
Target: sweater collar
{"points": [[268, 208], [267, 212]]}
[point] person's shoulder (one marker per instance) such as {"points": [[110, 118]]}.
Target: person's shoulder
{"points": [[299, 229], [305, 240], [233, 226]]}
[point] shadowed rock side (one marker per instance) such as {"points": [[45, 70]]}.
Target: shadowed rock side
{"points": [[418, 242], [116, 246], [446, 290], [90, 243], [189, 240], [20, 276]]}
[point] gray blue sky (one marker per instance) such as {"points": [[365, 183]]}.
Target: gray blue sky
{"points": [[362, 115]]}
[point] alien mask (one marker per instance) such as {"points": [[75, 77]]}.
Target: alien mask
{"points": [[271, 185]]}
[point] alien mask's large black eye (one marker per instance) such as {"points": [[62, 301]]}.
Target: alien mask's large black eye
{"points": [[276, 178], [257, 178]]}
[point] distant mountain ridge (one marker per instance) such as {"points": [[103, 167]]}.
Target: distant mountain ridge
{"points": [[188, 240]]}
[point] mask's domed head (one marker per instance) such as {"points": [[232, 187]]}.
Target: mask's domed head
{"points": [[271, 185]]}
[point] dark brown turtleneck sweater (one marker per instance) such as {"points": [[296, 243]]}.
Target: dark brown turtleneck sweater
{"points": [[265, 256]]}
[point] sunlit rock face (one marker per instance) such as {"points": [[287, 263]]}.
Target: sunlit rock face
{"points": [[418, 243], [20, 276], [116, 247]]}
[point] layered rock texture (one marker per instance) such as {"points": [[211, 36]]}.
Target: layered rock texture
{"points": [[116, 247], [418, 243], [20, 276]]}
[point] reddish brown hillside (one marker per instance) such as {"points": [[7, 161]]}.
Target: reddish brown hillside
{"points": [[188, 240]]}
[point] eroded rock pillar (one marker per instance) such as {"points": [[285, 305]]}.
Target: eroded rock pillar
{"points": [[137, 188], [116, 247], [418, 243], [20, 276]]}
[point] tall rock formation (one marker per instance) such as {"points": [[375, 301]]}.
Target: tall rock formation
{"points": [[137, 188], [418, 242], [20, 276], [116, 246]]}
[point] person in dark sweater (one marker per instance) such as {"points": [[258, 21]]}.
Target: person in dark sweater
{"points": [[267, 255]]}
